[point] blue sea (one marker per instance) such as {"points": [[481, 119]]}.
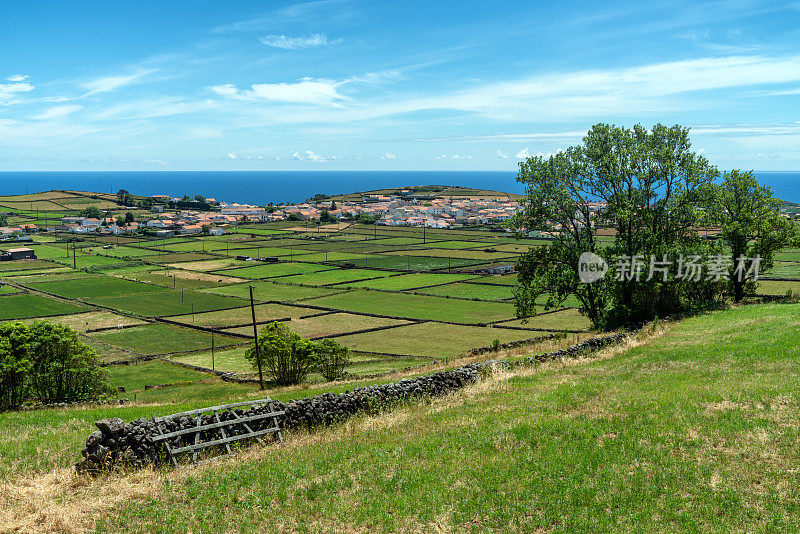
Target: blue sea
{"points": [[262, 187]]}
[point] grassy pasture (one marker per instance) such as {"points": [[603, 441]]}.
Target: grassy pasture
{"points": [[243, 315], [177, 279], [6, 289], [9, 267], [128, 252], [167, 302], [82, 322], [263, 290], [431, 339], [31, 305], [83, 260], [603, 446], [206, 265], [270, 270], [180, 257], [777, 287], [136, 376], [411, 281], [472, 291], [98, 286], [411, 263], [454, 253], [417, 306], [161, 338], [335, 276], [569, 319], [326, 325]]}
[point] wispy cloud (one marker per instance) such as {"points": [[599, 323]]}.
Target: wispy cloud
{"points": [[295, 43], [57, 112], [112, 83], [18, 85], [307, 91]]}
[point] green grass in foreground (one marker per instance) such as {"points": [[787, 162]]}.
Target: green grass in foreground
{"points": [[697, 430]]}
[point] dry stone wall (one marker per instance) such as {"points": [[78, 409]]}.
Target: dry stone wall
{"points": [[117, 443]]}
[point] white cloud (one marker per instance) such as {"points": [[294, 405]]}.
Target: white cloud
{"points": [[18, 78], [295, 43], [501, 155], [8, 90], [389, 155], [57, 112], [310, 156], [306, 91], [523, 154], [111, 83]]}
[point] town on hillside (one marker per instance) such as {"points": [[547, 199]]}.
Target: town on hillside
{"points": [[165, 216]]}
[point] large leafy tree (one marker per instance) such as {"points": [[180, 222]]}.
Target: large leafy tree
{"points": [[651, 187], [752, 226], [15, 363], [63, 368], [286, 356]]}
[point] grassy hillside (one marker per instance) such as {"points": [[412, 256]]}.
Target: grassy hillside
{"points": [[692, 427]]}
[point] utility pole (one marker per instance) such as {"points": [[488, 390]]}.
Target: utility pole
{"points": [[255, 340], [212, 350], [74, 259]]}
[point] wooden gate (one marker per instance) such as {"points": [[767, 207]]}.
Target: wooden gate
{"points": [[215, 431]]}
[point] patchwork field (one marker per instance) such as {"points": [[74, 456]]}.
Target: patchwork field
{"points": [[167, 302], [416, 307], [161, 339], [432, 340]]}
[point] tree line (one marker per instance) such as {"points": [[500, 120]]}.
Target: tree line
{"points": [[653, 198]]}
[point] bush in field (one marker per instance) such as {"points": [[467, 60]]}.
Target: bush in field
{"points": [[49, 362], [285, 356], [63, 367], [15, 363], [331, 359]]}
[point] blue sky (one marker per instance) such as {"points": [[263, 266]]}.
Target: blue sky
{"points": [[393, 85]]}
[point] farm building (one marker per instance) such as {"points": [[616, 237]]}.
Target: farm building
{"points": [[17, 254]]}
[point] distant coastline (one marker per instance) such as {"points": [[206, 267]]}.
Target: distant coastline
{"points": [[262, 187]]}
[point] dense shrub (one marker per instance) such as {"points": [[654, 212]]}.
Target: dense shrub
{"points": [[285, 356], [63, 367], [331, 358], [48, 362], [15, 363]]}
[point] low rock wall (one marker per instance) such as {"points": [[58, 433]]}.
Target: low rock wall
{"points": [[116, 442]]}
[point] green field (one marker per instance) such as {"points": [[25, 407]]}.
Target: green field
{"points": [[243, 315], [167, 302], [335, 276], [30, 305], [334, 323], [263, 290], [411, 281], [99, 286], [471, 291], [136, 376], [410, 263], [432, 340], [161, 338], [272, 270], [417, 306]]}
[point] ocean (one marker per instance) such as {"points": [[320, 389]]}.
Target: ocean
{"points": [[262, 187]]}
